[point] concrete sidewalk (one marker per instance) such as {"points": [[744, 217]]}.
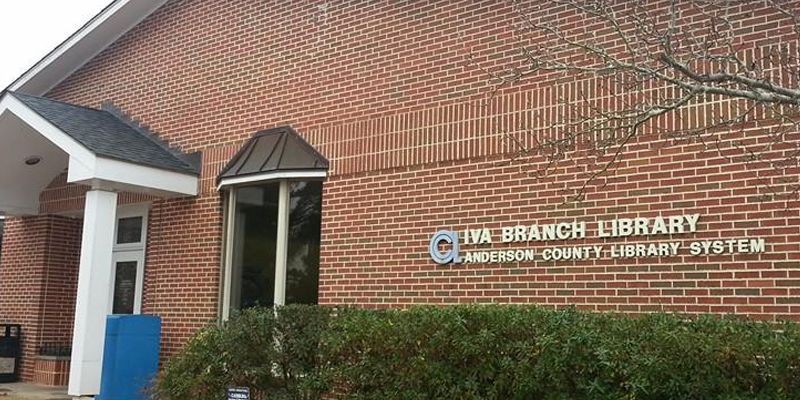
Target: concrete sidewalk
{"points": [[27, 391]]}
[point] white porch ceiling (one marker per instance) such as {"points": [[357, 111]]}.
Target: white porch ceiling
{"points": [[20, 184]]}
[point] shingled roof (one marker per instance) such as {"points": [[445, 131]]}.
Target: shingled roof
{"points": [[109, 134], [275, 150]]}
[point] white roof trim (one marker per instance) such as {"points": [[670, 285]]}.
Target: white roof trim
{"points": [[103, 30], [271, 176]]}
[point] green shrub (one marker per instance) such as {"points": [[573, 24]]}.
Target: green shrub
{"points": [[274, 352], [486, 352]]}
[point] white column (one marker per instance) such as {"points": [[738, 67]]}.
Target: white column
{"points": [[282, 244], [94, 288]]}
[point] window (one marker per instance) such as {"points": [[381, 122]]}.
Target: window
{"points": [[302, 262], [129, 230], [128, 260], [254, 246], [125, 287], [273, 245]]}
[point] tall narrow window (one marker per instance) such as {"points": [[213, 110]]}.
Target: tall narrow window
{"points": [[254, 246], [302, 262], [128, 255]]}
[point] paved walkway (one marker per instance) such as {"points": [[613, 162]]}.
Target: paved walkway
{"points": [[27, 391]]}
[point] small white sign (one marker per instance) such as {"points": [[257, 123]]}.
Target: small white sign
{"points": [[238, 393], [6, 365]]}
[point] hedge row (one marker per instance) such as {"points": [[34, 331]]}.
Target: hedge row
{"points": [[484, 352]]}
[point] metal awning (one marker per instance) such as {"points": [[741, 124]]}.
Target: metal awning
{"points": [[278, 153]]}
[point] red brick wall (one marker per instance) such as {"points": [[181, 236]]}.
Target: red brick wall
{"points": [[182, 267], [21, 271], [384, 90], [38, 271], [377, 228], [63, 253], [51, 371]]}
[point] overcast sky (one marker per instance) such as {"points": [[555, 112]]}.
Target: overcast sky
{"points": [[29, 29]]}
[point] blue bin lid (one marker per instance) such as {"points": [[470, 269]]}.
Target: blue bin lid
{"points": [[139, 325]]}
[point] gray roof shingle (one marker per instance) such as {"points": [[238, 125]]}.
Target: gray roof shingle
{"points": [[277, 149], [107, 135]]}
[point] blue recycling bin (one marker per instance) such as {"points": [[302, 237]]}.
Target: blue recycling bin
{"points": [[130, 356]]}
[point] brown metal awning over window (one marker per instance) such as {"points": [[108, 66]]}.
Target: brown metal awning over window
{"points": [[278, 153]]}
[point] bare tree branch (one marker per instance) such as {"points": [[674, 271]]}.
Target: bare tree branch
{"points": [[650, 62]]}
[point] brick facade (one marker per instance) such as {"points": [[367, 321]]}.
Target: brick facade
{"points": [[383, 89], [39, 275]]}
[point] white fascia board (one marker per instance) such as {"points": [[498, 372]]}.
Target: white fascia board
{"points": [[85, 44], [109, 174], [52, 133], [271, 176]]}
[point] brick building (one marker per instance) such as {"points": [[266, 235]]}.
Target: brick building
{"points": [[185, 158]]}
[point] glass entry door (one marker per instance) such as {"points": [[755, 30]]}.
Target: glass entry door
{"points": [[128, 278]]}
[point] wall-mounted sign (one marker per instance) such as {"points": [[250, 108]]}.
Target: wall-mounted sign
{"points": [[469, 245]]}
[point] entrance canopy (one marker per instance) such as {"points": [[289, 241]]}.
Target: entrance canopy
{"points": [[41, 138]]}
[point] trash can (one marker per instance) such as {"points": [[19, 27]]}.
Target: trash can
{"points": [[130, 356], [10, 352]]}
